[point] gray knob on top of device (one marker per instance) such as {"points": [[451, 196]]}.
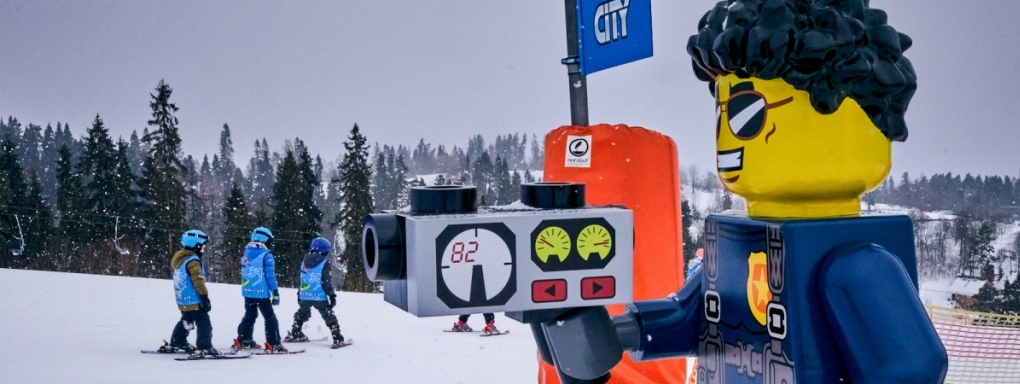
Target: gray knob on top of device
{"points": [[443, 199], [553, 195]]}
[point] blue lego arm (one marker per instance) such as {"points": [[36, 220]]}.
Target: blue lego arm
{"points": [[670, 326], [270, 272], [879, 324]]}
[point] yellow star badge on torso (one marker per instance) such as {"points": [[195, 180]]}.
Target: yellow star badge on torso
{"points": [[758, 294]]}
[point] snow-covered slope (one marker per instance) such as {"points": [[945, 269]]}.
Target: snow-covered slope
{"points": [[72, 328]]}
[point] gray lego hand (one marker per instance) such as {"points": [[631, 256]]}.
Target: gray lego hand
{"points": [[584, 343]]}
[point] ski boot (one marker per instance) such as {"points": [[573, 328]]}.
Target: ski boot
{"points": [[295, 337], [167, 348], [461, 326], [490, 328], [244, 344], [203, 353], [338, 339], [275, 348]]}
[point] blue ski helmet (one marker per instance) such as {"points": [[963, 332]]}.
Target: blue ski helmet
{"points": [[262, 235], [193, 238], [321, 245]]}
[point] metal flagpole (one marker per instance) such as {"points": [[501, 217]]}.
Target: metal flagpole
{"points": [[578, 83]]}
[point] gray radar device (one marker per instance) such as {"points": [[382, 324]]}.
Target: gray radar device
{"points": [[446, 256]]}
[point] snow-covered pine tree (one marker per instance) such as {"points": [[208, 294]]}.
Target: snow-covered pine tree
{"points": [[123, 188], [5, 201], [72, 228], [515, 186], [226, 168], [135, 153], [38, 227], [380, 181], [537, 153], [162, 185], [399, 184], [505, 194], [689, 246], [260, 181], [295, 217], [236, 231], [11, 131], [48, 161], [97, 167], [356, 200], [15, 198], [482, 178], [30, 149], [423, 158]]}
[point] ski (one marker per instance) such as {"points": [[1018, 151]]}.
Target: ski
{"points": [[324, 338], [342, 344], [452, 331], [158, 352], [215, 357], [495, 334], [225, 351], [291, 352]]}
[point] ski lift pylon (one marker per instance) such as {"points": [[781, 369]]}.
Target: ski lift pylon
{"points": [[116, 239], [20, 238]]}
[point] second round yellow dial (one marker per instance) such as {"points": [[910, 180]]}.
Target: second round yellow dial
{"points": [[552, 241], [594, 239]]}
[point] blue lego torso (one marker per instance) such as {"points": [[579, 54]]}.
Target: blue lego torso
{"points": [[184, 289], [253, 274], [800, 301], [311, 283]]}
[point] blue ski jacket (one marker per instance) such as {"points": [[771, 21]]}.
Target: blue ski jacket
{"points": [[258, 272]]}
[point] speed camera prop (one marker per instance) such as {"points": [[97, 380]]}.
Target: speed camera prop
{"points": [[445, 256]]}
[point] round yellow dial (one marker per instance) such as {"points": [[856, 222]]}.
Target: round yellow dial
{"points": [[552, 241], [594, 239]]}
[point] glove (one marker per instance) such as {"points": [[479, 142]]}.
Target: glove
{"points": [[276, 297], [332, 301], [205, 305], [299, 297]]}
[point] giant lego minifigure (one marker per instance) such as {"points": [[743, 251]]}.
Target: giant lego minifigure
{"points": [[801, 288]]}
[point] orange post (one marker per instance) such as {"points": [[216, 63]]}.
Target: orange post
{"points": [[637, 168]]}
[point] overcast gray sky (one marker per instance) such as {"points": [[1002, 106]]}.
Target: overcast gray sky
{"points": [[443, 70]]}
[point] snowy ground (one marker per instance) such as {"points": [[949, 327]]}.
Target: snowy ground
{"points": [[72, 328]]}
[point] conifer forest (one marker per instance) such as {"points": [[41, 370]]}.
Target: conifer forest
{"points": [[83, 201], [80, 200]]}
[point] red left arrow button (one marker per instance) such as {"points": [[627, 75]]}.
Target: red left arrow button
{"points": [[546, 291]]}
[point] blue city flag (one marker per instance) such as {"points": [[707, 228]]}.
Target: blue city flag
{"points": [[613, 32]]}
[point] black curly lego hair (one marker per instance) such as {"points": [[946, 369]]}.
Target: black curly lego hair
{"points": [[832, 49]]}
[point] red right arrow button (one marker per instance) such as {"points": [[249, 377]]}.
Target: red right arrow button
{"points": [[593, 288]]}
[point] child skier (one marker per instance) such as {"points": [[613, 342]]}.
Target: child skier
{"points": [[192, 297], [316, 292], [490, 324], [258, 286], [695, 263]]}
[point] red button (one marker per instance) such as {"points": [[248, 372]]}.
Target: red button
{"points": [[546, 291], [598, 287]]}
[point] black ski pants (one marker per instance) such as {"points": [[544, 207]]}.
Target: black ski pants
{"points": [[304, 313], [200, 319], [252, 307], [488, 317]]}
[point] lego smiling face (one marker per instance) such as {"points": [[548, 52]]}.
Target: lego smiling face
{"points": [[788, 160]]}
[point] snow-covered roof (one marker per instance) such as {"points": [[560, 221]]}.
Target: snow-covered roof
{"points": [[965, 286]]}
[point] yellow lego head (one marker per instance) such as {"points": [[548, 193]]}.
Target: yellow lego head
{"points": [[789, 160]]}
